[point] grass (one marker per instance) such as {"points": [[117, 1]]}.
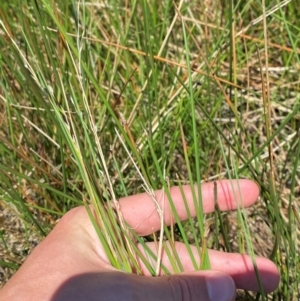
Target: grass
{"points": [[102, 100]]}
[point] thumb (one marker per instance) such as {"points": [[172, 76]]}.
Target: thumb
{"points": [[115, 286]]}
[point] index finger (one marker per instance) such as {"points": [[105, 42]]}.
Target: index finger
{"points": [[140, 211]]}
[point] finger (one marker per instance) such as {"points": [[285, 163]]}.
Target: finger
{"points": [[140, 212], [239, 267], [113, 286]]}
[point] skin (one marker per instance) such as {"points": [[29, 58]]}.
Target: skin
{"points": [[71, 264]]}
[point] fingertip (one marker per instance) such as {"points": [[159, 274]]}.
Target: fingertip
{"points": [[269, 274], [250, 188], [237, 193], [208, 285], [245, 273], [220, 287]]}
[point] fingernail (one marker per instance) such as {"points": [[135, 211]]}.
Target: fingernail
{"points": [[220, 287]]}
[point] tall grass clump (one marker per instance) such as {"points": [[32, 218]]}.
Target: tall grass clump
{"points": [[100, 100]]}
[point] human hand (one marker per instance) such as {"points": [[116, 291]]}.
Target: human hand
{"points": [[71, 264]]}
